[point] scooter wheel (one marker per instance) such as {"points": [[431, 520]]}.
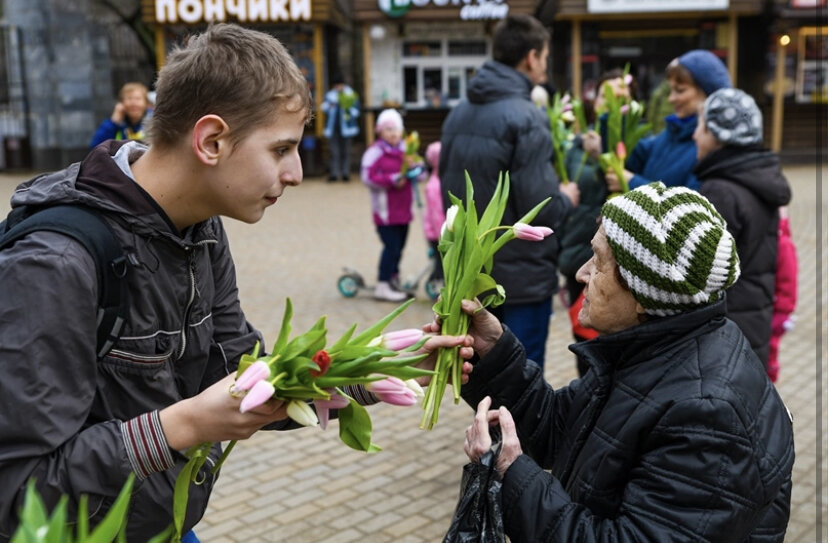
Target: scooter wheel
{"points": [[348, 285], [433, 288]]}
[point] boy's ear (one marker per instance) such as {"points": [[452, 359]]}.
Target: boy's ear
{"points": [[210, 139]]}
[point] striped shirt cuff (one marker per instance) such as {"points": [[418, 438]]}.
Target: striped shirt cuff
{"points": [[146, 445], [362, 395]]}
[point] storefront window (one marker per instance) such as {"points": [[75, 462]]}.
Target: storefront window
{"points": [[437, 73], [422, 49], [411, 84], [464, 48]]}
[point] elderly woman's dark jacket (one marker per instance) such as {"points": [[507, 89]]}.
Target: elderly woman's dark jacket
{"points": [[676, 434]]}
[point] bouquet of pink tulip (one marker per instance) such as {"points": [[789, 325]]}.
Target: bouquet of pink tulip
{"points": [[303, 370], [467, 246], [624, 130], [561, 124]]}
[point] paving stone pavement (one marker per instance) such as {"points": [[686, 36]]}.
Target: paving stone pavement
{"points": [[306, 486]]}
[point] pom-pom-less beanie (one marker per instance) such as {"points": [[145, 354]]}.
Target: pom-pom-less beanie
{"points": [[672, 247], [709, 73]]}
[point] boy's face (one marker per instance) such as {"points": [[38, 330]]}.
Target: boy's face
{"points": [[253, 176], [704, 138], [135, 104]]}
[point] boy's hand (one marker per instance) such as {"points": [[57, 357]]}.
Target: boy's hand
{"points": [[213, 415], [119, 113], [436, 342]]}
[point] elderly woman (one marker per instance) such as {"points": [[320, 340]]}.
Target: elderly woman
{"points": [[676, 433]]}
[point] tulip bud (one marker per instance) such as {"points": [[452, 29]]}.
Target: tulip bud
{"points": [[259, 394], [530, 233], [401, 339], [323, 407], [254, 373], [393, 391], [323, 360], [302, 413], [451, 214], [621, 151]]}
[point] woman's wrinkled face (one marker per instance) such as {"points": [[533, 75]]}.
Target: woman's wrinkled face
{"points": [[685, 98], [608, 305]]}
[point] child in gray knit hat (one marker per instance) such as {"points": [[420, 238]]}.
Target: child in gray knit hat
{"points": [[745, 184]]}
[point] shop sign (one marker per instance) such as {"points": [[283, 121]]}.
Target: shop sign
{"points": [[469, 10], [637, 6], [217, 11]]}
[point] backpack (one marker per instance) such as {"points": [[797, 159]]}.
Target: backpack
{"points": [[90, 229]]}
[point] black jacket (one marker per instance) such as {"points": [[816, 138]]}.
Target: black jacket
{"points": [[676, 434], [499, 129], [747, 187]]}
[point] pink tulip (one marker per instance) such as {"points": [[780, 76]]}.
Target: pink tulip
{"points": [[621, 151], [628, 79], [323, 407], [393, 391], [254, 373], [624, 109], [401, 339], [256, 396], [530, 233]]}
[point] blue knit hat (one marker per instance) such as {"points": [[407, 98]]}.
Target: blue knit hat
{"points": [[709, 73]]}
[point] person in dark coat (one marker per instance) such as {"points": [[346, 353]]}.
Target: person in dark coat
{"points": [[745, 184], [675, 433], [498, 129]]}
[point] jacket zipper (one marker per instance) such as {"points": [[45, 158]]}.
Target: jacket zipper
{"points": [[186, 319]]}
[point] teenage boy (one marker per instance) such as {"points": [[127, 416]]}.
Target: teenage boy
{"points": [[231, 109]]}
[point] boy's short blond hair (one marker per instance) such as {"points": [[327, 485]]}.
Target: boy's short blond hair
{"points": [[132, 86], [242, 75]]}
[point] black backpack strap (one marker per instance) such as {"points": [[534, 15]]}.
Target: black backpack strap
{"points": [[94, 233]]}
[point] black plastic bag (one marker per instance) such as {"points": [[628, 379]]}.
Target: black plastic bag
{"points": [[479, 514]]}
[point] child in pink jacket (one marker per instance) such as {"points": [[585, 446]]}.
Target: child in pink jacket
{"points": [[785, 292], [391, 199], [434, 216]]}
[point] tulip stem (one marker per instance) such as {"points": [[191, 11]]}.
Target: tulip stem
{"points": [[223, 457]]}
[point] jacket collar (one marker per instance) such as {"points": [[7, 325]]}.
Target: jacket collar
{"points": [[646, 341]]}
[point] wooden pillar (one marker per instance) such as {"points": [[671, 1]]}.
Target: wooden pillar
{"points": [[366, 85], [160, 47], [733, 48], [779, 94], [319, 76], [576, 58]]}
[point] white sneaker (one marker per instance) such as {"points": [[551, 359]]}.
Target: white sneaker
{"points": [[384, 291]]}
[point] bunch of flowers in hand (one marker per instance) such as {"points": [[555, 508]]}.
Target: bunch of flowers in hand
{"points": [[561, 126], [412, 153], [347, 99], [468, 245], [624, 130], [306, 370]]}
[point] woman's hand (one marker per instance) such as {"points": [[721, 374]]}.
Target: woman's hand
{"points": [[613, 185], [591, 142], [479, 440], [213, 415]]}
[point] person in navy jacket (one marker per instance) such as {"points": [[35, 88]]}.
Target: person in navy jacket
{"points": [[670, 156]]}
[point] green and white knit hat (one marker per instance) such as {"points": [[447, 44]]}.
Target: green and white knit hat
{"points": [[672, 247]]}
